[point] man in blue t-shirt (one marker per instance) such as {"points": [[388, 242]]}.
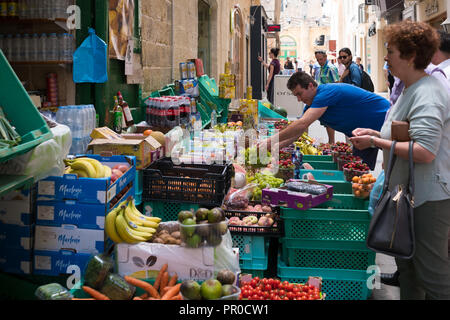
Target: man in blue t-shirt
{"points": [[340, 106]]}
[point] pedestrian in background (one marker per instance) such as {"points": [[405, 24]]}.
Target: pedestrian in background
{"points": [[300, 65], [390, 80], [358, 62], [274, 69], [352, 74], [328, 73], [340, 66], [288, 64], [424, 103]]}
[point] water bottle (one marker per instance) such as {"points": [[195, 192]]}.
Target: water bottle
{"points": [[52, 50], [68, 46], [61, 115], [34, 47], [93, 117], [16, 47], [42, 48], [297, 160], [9, 47], [213, 118], [26, 47]]}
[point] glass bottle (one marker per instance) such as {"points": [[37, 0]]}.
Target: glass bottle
{"points": [[118, 115]]}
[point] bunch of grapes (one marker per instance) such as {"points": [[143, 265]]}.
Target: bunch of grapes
{"points": [[263, 181]]}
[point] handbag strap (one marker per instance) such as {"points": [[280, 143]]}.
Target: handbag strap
{"points": [[411, 169], [392, 158]]}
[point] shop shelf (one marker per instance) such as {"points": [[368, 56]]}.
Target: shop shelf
{"points": [[20, 112], [326, 224], [336, 284], [325, 175], [167, 211], [327, 254], [201, 184]]}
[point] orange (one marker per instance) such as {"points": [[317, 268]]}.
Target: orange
{"points": [[147, 132], [239, 123], [355, 179]]}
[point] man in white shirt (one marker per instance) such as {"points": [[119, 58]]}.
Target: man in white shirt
{"points": [[340, 66], [441, 59]]}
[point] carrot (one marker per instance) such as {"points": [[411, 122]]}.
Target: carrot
{"points": [[94, 293], [152, 298], [164, 281], [137, 298], [144, 296], [177, 297], [79, 299], [163, 291], [143, 285], [173, 280], [172, 292], [159, 276]]}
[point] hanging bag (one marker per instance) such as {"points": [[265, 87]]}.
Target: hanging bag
{"points": [[391, 229]]}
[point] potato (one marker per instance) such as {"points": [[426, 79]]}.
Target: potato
{"points": [[176, 234], [171, 240], [158, 240]]}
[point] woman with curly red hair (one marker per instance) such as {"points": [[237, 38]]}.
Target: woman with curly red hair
{"points": [[424, 103]]}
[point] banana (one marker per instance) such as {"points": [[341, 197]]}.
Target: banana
{"points": [[136, 225], [141, 216], [82, 164], [107, 172], [110, 226], [80, 173], [100, 171], [137, 216], [68, 170], [125, 232]]}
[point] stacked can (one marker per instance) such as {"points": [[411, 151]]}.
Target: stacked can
{"points": [[52, 89], [184, 71]]}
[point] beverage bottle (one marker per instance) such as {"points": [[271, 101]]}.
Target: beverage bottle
{"points": [[52, 49], [17, 47], [126, 110], [13, 11], [148, 112], [118, 115], [3, 9], [34, 47], [297, 160], [196, 120], [213, 118], [49, 13], [9, 47], [26, 47], [42, 48]]}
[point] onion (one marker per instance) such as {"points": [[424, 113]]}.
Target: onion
{"points": [[240, 180]]}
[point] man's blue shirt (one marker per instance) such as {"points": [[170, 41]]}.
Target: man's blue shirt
{"points": [[349, 107]]}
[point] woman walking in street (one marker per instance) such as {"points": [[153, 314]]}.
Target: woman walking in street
{"points": [[424, 103], [274, 69]]}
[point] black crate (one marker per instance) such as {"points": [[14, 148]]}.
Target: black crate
{"points": [[276, 230], [203, 184]]}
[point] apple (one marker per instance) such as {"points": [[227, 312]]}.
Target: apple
{"points": [[123, 167], [113, 178], [117, 172]]}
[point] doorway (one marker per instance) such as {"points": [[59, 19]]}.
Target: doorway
{"points": [[204, 30]]}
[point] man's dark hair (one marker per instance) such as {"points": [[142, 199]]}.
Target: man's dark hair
{"points": [[445, 41], [320, 52], [346, 50], [302, 79]]}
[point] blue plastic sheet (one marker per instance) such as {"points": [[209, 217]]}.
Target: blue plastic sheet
{"points": [[90, 60]]}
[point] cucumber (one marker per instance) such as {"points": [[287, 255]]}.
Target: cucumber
{"points": [[116, 288]]}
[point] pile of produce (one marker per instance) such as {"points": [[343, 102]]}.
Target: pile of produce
{"points": [[126, 223], [341, 160], [8, 134], [274, 289], [204, 227], [167, 233], [306, 145], [285, 154], [266, 220], [281, 124], [353, 169], [285, 169], [85, 167], [263, 181], [341, 149], [363, 185], [222, 127], [221, 288]]}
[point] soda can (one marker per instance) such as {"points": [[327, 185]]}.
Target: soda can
{"points": [[191, 70], [249, 93], [183, 70]]}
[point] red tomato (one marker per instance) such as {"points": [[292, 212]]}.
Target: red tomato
{"points": [[290, 295], [290, 287], [255, 297], [256, 279], [254, 283], [270, 281], [276, 283], [267, 287], [281, 293]]}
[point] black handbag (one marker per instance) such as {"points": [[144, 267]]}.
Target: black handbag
{"points": [[391, 229]]}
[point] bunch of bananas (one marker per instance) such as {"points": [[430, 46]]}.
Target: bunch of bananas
{"points": [[87, 168], [126, 224], [305, 143]]}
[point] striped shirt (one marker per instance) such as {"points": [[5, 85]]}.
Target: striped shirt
{"points": [[328, 74]]}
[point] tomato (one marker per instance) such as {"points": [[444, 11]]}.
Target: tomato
{"points": [[266, 295], [254, 283], [256, 279], [276, 283], [282, 292], [285, 298], [295, 290], [267, 287], [290, 295], [290, 287], [255, 297], [270, 281], [316, 296]]}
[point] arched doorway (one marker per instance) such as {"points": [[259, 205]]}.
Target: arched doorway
{"points": [[288, 48]]}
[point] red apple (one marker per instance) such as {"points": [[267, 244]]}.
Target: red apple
{"points": [[113, 178], [117, 172], [124, 168]]}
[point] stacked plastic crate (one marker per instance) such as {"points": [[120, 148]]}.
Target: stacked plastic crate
{"points": [[209, 98], [328, 241]]}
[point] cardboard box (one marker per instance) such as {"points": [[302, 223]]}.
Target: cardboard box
{"points": [[105, 133], [16, 261], [144, 260], [69, 237], [16, 237], [56, 263], [16, 208], [145, 150], [87, 190]]}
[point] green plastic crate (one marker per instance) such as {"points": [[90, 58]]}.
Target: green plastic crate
{"points": [[167, 211], [326, 224], [264, 112], [20, 112], [336, 284], [327, 254], [323, 165], [308, 157], [325, 175], [345, 201], [254, 273], [253, 251], [339, 187]]}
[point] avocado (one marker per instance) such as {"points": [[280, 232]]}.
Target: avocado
{"points": [[185, 214], [216, 215], [226, 276], [203, 228], [190, 289], [281, 112], [188, 226], [194, 241], [214, 239], [201, 214]]}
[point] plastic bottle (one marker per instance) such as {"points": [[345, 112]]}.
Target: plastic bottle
{"points": [[213, 118], [297, 160], [52, 50], [196, 120], [70, 45], [9, 47], [42, 47], [26, 41], [13, 11], [34, 47], [17, 47]]}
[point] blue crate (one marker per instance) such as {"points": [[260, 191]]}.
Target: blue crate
{"points": [[87, 190], [16, 237], [56, 263], [16, 261]]}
